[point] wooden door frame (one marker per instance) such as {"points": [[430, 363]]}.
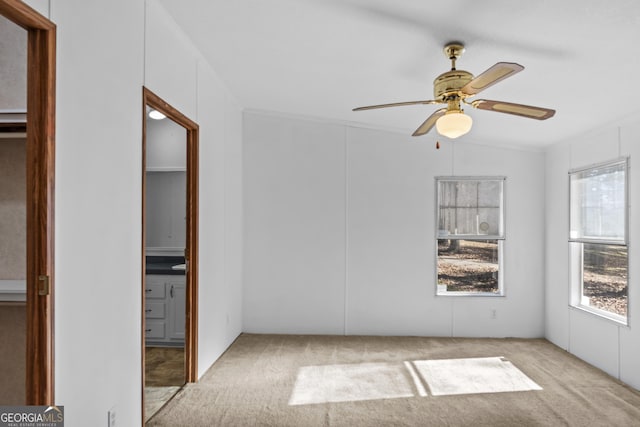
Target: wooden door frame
{"points": [[191, 250], [40, 169]]}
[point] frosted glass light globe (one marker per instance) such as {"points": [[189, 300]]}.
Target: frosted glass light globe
{"points": [[454, 124]]}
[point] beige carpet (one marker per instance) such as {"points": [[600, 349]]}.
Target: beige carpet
{"points": [[263, 380]]}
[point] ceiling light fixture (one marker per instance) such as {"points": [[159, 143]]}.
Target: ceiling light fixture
{"points": [[455, 87], [454, 124], [156, 115]]}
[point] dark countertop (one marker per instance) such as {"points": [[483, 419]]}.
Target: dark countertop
{"points": [[163, 264]]}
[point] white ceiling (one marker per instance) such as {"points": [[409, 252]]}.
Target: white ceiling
{"points": [[321, 58]]}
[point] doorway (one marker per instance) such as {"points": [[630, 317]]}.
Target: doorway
{"points": [[39, 199], [169, 252]]}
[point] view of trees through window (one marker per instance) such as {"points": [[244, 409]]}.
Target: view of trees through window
{"points": [[468, 265], [598, 238], [605, 277], [470, 221]]}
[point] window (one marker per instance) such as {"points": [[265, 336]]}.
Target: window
{"points": [[598, 239], [470, 235]]}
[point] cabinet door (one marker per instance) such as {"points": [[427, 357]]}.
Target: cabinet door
{"points": [[154, 310], [154, 289], [177, 306], [154, 330]]}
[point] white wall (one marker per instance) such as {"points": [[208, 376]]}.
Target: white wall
{"points": [[104, 57], [603, 343], [166, 146], [295, 226], [97, 216], [177, 72], [220, 317], [166, 223], [166, 186], [339, 232]]}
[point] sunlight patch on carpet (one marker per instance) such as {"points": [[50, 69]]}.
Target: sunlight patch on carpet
{"points": [[350, 383], [422, 392], [471, 376]]}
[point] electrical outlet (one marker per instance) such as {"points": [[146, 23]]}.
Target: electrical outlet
{"points": [[493, 313], [111, 417]]}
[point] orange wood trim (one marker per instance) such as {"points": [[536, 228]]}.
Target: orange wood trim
{"points": [[191, 293], [41, 74], [154, 101], [191, 356], [40, 214], [23, 15]]}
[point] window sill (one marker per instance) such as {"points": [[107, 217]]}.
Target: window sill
{"points": [[441, 291], [468, 294], [615, 318]]}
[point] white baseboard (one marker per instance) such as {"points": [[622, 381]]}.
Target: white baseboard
{"points": [[13, 290]]}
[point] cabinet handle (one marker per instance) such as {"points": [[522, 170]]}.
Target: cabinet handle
{"points": [[147, 330], [147, 290], [148, 310], [171, 291]]}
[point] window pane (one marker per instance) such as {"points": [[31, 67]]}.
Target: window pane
{"points": [[604, 283], [470, 207], [468, 266], [598, 199]]}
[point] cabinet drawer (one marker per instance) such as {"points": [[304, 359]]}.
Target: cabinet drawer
{"points": [[154, 329], [154, 289], [154, 310]]}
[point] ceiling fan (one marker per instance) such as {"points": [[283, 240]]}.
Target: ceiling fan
{"points": [[455, 86]]}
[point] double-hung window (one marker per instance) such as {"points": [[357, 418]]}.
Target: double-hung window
{"points": [[598, 239], [470, 235]]}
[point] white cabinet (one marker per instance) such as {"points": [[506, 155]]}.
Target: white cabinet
{"points": [[155, 330], [165, 310], [177, 318]]}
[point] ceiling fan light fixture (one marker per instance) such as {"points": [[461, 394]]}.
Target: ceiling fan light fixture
{"points": [[454, 124], [454, 87]]}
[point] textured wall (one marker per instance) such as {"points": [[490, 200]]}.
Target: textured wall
{"points": [[166, 209], [12, 209], [13, 66], [340, 232], [13, 321], [610, 346]]}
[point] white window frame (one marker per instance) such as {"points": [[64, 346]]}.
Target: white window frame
{"points": [[576, 248], [440, 291]]}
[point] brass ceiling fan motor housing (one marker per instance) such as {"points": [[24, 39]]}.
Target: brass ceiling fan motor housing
{"points": [[450, 83]]}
